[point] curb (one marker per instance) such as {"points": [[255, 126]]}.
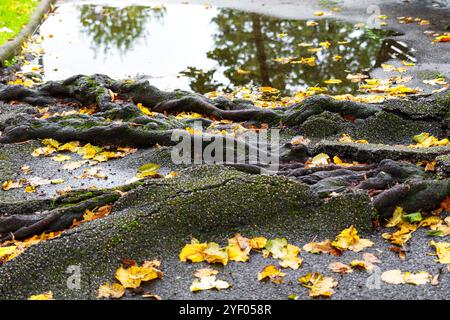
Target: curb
{"points": [[10, 48]]}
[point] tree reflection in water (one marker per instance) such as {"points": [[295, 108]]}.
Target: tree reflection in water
{"points": [[251, 42], [117, 28], [244, 46]]}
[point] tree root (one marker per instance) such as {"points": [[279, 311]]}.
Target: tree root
{"points": [[23, 225], [118, 120], [396, 184]]}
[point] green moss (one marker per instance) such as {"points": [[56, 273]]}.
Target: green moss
{"points": [[115, 241], [131, 225], [321, 126]]}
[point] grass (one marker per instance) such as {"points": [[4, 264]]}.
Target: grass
{"points": [[14, 14]]}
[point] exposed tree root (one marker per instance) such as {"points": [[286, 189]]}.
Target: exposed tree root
{"points": [[119, 121], [26, 224]]}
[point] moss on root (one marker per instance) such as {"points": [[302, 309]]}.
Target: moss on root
{"points": [[156, 219]]}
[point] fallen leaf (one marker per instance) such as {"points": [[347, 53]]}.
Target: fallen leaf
{"points": [[205, 272], [413, 217], [320, 160], [146, 111], [193, 251], [238, 248], [208, 283], [311, 23], [215, 254], [442, 251], [318, 284], [333, 81], [72, 165], [132, 277], [321, 247], [6, 251], [443, 38], [111, 290], [10, 184], [43, 296], [340, 267], [348, 239], [151, 296], [360, 264], [419, 278], [257, 243], [272, 273], [70, 146], [347, 139], [148, 170], [393, 277], [399, 277], [61, 158]]}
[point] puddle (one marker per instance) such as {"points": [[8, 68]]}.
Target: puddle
{"points": [[205, 49]]}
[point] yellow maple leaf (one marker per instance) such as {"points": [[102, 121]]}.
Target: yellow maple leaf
{"points": [[401, 236], [321, 247], [43, 296], [311, 61], [290, 258], [6, 251], [10, 184], [61, 158], [148, 170], [238, 248], [257, 243], [443, 38], [348, 239], [320, 160], [207, 283], [188, 115], [30, 189], [340, 267], [359, 264], [442, 251], [419, 278], [146, 111], [397, 218], [311, 23], [318, 284], [333, 81], [89, 151], [272, 273], [51, 143], [325, 44], [111, 290], [346, 138], [193, 252], [215, 254], [44, 151], [399, 277], [70, 146], [133, 276]]}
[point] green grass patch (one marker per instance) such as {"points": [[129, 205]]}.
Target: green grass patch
{"points": [[14, 14]]}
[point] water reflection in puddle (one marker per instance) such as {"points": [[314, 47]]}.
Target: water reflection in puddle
{"points": [[205, 49]]}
